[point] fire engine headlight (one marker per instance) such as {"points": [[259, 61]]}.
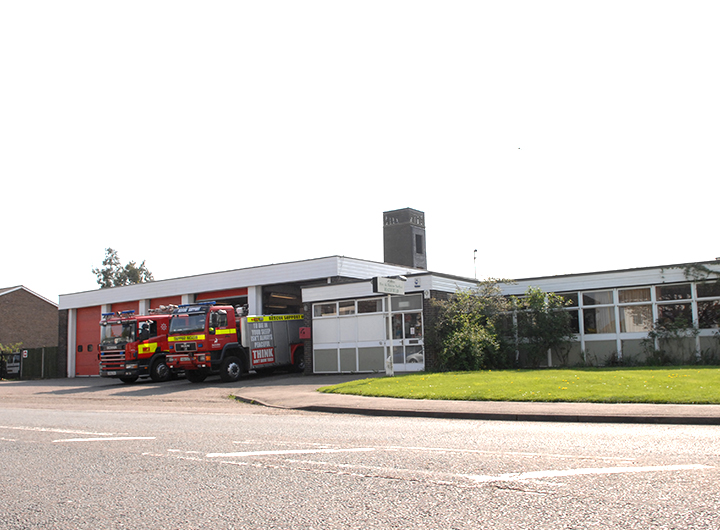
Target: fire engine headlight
{"points": [[200, 358], [131, 366]]}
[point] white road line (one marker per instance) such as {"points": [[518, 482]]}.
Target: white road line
{"points": [[583, 471], [288, 452], [511, 453], [113, 438], [62, 431]]}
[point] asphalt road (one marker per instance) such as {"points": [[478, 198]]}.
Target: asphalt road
{"points": [[91, 454]]}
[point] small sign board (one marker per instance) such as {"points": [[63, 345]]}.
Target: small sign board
{"points": [[388, 285]]}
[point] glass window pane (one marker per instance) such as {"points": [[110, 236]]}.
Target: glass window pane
{"points": [[574, 320], [397, 326], [414, 354], [347, 308], [398, 355], [635, 318], [325, 310], [570, 297], [674, 312], [634, 295], [598, 297], [599, 320], [406, 303], [709, 314], [413, 325], [673, 292], [708, 289], [370, 306]]}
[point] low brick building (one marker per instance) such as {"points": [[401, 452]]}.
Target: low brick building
{"points": [[27, 318]]}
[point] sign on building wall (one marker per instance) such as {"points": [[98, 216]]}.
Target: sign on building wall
{"points": [[388, 285]]}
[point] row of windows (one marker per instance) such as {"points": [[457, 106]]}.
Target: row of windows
{"points": [[637, 309], [366, 306], [663, 293]]}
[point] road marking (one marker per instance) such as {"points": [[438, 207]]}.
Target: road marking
{"points": [[288, 452], [511, 453], [583, 471], [112, 438], [62, 431]]}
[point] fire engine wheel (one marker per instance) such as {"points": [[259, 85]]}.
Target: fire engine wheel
{"points": [[196, 376], [159, 371], [231, 370]]}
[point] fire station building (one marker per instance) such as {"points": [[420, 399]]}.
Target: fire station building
{"points": [[355, 325]]}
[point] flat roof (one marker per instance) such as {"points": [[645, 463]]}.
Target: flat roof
{"points": [[311, 270]]}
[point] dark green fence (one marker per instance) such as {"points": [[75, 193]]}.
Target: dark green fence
{"points": [[39, 363]]}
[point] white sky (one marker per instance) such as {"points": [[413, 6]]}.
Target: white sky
{"points": [[555, 137]]}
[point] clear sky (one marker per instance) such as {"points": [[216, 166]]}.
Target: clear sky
{"points": [[554, 137]]}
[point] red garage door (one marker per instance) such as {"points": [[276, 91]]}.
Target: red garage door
{"points": [[88, 337]]}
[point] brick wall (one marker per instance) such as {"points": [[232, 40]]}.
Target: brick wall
{"points": [[29, 319]]}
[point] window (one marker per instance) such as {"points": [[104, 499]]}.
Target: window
{"points": [[634, 295], [347, 308], [413, 325], [599, 320], [406, 303], [325, 310], [709, 314], [672, 312], [370, 306], [673, 292], [707, 289], [570, 298], [418, 244], [636, 318], [598, 298], [574, 320]]}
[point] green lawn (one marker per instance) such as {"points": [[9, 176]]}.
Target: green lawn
{"points": [[599, 385]]}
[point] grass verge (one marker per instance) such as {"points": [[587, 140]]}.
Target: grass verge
{"points": [[591, 385]]}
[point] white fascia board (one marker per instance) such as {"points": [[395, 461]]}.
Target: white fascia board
{"points": [[338, 291], [604, 280], [447, 284], [416, 283], [361, 269], [297, 271], [265, 275]]}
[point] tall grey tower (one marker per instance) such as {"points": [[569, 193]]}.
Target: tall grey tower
{"points": [[404, 238]]}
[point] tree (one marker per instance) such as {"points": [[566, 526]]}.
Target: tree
{"points": [[467, 332], [542, 325], [10, 348], [113, 274]]}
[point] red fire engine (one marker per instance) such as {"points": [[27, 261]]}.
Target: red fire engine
{"points": [[134, 346], [207, 339]]}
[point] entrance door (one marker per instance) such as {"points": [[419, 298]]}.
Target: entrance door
{"points": [[407, 342]]}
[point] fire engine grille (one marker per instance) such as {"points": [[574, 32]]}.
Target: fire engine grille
{"points": [[185, 347], [112, 360]]}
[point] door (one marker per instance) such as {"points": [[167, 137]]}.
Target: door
{"points": [[407, 342], [87, 338]]}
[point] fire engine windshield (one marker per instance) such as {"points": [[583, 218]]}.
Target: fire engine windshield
{"points": [[117, 332], [187, 323]]}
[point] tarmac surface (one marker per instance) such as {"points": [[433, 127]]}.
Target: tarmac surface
{"points": [[300, 392]]}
